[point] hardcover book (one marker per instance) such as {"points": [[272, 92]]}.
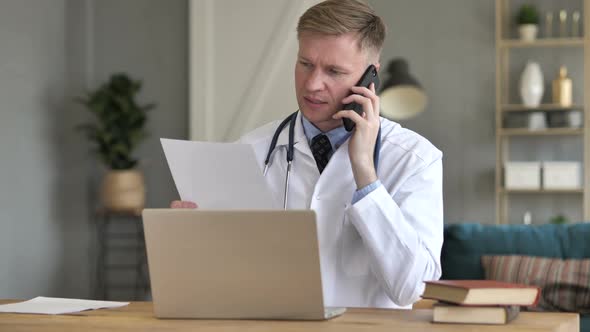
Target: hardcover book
{"points": [[451, 313], [481, 292]]}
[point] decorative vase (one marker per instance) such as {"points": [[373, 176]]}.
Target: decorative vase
{"points": [[562, 88], [537, 121], [531, 85], [123, 190], [528, 32], [575, 119]]}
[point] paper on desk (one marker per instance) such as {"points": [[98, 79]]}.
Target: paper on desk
{"points": [[56, 306], [218, 175]]}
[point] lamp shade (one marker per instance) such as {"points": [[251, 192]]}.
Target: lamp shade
{"points": [[401, 96]]}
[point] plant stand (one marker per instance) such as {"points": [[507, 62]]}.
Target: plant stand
{"points": [[122, 261]]}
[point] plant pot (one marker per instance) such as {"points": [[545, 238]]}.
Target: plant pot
{"points": [[528, 32], [123, 191]]}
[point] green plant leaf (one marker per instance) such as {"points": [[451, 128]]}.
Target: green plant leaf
{"points": [[120, 122], [527, 14]]}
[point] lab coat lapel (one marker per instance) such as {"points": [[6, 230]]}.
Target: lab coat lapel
{"points": [[337, 179], [299, 138]]}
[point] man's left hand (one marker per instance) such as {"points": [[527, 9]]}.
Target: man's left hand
{"points": [[362, 143]]}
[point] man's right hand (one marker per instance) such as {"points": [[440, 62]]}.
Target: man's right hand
{"points": [[183, 205]]}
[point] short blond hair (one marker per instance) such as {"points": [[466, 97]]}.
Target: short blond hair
{"points": [[338, 17]]}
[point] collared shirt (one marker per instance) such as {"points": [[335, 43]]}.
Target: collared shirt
{"points": [[337, 137]]}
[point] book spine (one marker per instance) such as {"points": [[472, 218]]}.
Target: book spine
{"points": [[537, 298]]}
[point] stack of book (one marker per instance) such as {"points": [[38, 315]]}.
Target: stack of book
{"points": [[479, 301]]}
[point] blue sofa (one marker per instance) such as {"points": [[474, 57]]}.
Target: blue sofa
{"points": [[464, 244]]}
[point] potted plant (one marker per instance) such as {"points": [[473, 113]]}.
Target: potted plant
{"points": [[118, 129], [559, 219], [528, 22]]}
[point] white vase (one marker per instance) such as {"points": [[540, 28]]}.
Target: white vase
{"points": [[531, 85], [537, 121], [575, 119], [528, 32]]}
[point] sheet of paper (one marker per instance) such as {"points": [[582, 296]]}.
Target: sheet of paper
{"points": [[218, 175], [56, 306]]}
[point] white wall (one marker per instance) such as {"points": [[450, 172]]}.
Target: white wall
{"points": [[452, 54], [242, 60]]}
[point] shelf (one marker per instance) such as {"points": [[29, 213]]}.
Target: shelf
{"points": [[542, 42], [542, 191], [542, 107], [513, 135], [546, 132]]}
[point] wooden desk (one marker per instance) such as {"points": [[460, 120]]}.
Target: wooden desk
{"points": [[138, 317]]}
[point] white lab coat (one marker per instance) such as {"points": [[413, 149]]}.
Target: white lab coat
{"points": [[377, 252]]}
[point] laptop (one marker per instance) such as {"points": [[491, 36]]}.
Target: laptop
{"points": [[233, 264]]}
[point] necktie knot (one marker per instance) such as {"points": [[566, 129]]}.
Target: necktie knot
{"points": [[321, 148]]}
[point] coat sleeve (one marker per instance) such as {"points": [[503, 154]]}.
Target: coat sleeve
{"points": [[403, 232]]}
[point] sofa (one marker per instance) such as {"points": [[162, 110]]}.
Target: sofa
{"points": [[465, 244]]}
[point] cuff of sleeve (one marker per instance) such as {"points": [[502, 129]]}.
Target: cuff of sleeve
{"points": [[364, 191]]}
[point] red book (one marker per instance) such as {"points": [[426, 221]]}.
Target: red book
{"points": [[482, 292]]}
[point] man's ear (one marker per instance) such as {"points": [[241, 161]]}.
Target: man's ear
{"points": [[377, 66]]}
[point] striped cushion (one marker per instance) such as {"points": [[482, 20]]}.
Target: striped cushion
{"points": [[565, 284]]}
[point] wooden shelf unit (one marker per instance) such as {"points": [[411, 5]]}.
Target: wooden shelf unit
{"points": [[542, 107], [504, 46], [541, 42], [545, 132], [504, 191]]}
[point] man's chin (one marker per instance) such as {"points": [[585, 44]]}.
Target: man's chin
{"points": [[322, 120], [315, 115]]}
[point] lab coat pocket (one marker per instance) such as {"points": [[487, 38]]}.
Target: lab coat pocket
{"points": [[354, 257]]}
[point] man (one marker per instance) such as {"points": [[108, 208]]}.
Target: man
{"points": [[380, 230]]}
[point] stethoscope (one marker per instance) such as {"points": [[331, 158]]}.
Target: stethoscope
{"points": [[291, 120]]}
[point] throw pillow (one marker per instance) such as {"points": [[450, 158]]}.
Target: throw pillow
{"points": [[565, 284]]}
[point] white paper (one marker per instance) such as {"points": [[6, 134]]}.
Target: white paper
{"points": [[56, 306], [218, 175]]}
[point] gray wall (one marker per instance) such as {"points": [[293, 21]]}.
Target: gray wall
{"points": [[53, 50], [43, 230], [50, 52], [148, 40], [450, 47]]}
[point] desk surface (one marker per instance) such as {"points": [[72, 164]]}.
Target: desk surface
{"points": [[138, 316]]}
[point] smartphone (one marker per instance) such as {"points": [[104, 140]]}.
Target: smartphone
{"points": [[370, 76]]}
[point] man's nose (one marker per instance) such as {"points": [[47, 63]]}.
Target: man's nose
{"points": [[315, 81]]}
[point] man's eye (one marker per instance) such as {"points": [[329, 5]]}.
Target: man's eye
{"points": [[335, 72], [305, 64]]}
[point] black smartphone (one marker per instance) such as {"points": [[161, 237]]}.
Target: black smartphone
{"points": [[370, 76]]}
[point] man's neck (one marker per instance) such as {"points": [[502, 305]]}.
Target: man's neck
{"points": [[325, 126], [337, 135]]}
